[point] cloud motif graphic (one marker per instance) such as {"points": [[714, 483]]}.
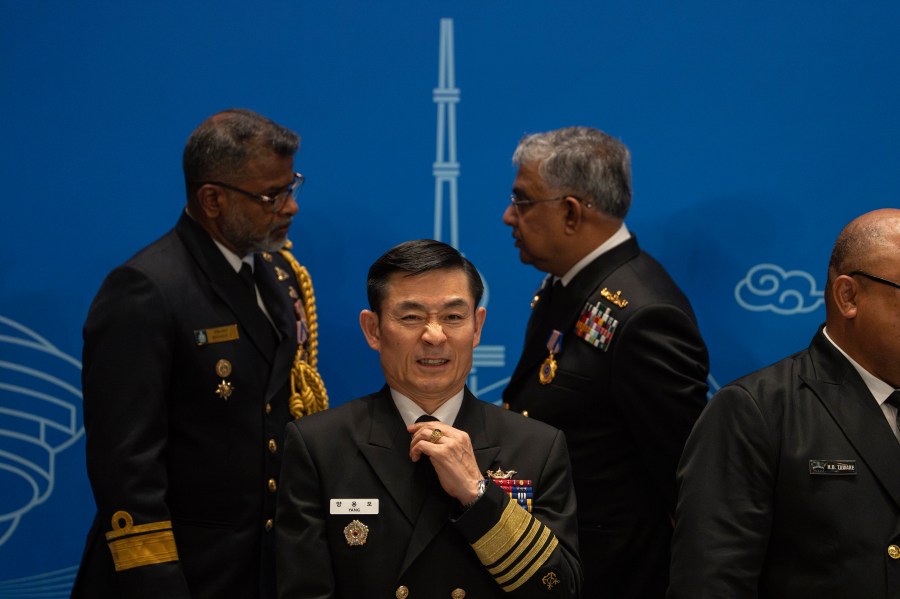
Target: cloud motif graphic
{"points": [[40, 416], [768, 287]]}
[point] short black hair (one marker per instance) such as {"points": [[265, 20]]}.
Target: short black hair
{"points": [[414, 258]]}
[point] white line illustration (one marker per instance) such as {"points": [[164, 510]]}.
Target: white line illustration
{"points": [[446, 171], [40, 416], [768, 287]]}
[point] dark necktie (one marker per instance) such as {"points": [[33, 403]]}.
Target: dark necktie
{"points": [[260, 321], [424, 468], [246, 273], [894, 400]]}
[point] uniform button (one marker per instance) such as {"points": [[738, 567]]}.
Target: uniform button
{"points": [[273, 446], [458, 594], [268, 408], [525, 413], [269, 524], [273, 486], [894, 552], [402, 592], [505, 405]]}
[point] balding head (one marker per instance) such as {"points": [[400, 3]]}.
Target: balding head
{"points": [[862, 306]]}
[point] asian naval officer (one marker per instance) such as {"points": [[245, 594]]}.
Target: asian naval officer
{"points": [[420, 489]]}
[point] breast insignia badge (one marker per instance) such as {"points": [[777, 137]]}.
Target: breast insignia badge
{"points": [[356, 533], [225, 389], [519, 490]]}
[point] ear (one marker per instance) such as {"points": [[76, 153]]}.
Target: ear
{"points": [[208, 198], [574, 214], [845, 293], [368, 322], [480, 315]]}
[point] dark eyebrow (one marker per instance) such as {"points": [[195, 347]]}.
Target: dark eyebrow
{"points": [[413, 305]]}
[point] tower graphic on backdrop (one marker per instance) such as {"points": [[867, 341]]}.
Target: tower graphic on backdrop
{"points": [[446, 193]]}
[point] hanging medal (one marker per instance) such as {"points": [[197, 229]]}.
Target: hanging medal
{"points": [[548, 368]]}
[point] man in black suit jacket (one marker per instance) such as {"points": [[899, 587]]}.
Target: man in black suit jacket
{"points": [[612, 354], [790, 481], [187, 379], [379, 500]]}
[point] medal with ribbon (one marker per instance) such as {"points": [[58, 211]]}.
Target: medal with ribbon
{"points": [[548, 368]]}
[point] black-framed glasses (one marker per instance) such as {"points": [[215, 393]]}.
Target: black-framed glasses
{"points": [[518, 202], [274, 202], [876, 279]]}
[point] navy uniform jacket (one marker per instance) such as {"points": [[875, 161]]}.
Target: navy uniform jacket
{"points": [[419, 543], [790, 487], [185, 475], [626, 406]]}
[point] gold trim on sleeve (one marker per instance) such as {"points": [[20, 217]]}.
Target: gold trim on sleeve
{"points": [[143, 545], [514, 537]]}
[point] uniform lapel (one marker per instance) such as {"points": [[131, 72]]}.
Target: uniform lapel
{"points": [[851, 405], [227, 284], [565, 307], [386, 448]]}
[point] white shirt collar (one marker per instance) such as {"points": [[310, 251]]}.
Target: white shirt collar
{"points": [[617, 238], [878, 388], [410, 410], [233, 259]]}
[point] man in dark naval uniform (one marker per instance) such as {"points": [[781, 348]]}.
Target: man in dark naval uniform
{"points": [[612, 354], [197, 352], [420, 489], [790, 481]]}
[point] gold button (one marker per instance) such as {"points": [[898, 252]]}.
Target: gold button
{"points": [[894, 552], [505, 405], [458, 594], [273, 486], [402, 592], [268, 408], [273, 446], [525, 413], [269, 524]]}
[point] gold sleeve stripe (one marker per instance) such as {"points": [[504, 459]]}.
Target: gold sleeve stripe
{"points": [[132, 546], [523, 541], [525, 556], [527, 574], [519, 542], [144, 550], [500, 538]]}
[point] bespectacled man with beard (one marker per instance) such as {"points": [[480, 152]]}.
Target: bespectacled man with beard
{"points": [[197, 352]]}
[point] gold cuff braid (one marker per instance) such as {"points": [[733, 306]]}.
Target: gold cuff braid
{"points": [[308, 394]]}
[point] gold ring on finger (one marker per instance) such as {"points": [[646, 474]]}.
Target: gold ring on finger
{"points": [[436, 434]]}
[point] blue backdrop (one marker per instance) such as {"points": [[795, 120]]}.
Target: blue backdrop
{"points": [[757, 131]]}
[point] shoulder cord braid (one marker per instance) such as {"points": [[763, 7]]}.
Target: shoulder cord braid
{"points": [[308, 393]]}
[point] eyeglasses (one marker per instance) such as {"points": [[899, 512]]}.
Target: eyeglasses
{"points": [[518, 202], [876, 279], [274, 202]]}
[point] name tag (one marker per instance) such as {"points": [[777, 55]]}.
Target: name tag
{"points": [[353, 506], [216, 335], [833, 467]]}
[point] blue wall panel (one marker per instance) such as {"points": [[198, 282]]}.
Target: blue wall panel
{"points": [[757, 131]]}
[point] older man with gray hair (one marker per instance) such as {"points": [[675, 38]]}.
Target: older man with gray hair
{"points": [[612, 356]]}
